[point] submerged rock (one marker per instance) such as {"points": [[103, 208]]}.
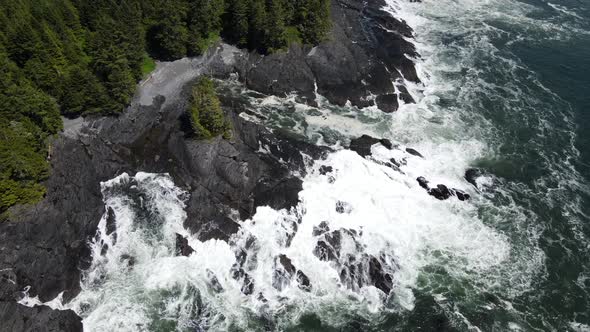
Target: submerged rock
{"points": [[472, 176], [130, 260], [441, 191], [326, 169], [356, 268], [248, 285], [343, 207], [320, 229], [214, 282]]}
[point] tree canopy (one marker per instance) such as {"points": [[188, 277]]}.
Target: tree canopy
{"points": [[206, 115], [79, 57]]}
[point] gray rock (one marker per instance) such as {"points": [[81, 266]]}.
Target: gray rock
{"points": [[442, 192], [182, 246], [414, 152], [363, 144], [364, 53], [15, 317], [45, 245]]}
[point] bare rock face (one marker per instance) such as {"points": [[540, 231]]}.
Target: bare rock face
{"points": [[365, 52], [45, 246], [285, 272], [16, 317]]}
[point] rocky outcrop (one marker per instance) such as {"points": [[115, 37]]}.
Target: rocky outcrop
{"points": [[285, 272], [15, 317], [441, 191], [356, 268], [362, 61], [363, 144], [45, 245]]}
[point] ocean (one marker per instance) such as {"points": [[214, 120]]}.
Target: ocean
{"points": [[505, 89]]}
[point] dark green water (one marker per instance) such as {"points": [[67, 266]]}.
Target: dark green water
{"points": [[530, 63], [517, 76], [506, 89]]}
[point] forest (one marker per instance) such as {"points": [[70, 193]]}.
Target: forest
{"points": [[82, 57]]}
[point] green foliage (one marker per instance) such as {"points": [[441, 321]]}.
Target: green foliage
{"points": [[147, 66], [205, 111], [78, 57], [168, 39], [312, 21], [271, 25], [292, 35]]}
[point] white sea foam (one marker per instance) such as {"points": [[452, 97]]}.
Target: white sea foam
{"points": [[391, 210], [487, 244]]}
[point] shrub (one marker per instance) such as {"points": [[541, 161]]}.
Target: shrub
{"points": [[207, 118]]}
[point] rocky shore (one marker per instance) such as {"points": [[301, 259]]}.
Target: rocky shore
{"points": [[44, 247]]}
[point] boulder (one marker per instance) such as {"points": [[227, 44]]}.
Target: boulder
{"points": [[363, 144], [324, 169], [441, 191], [414, 152]]}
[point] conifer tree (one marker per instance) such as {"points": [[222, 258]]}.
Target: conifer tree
{"points": [[275, 25]]}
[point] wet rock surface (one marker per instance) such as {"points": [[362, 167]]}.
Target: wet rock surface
{"points": [[45, 246], [441, 191], [285, 272], [414, 152], [355, 267], [182, 246], [366, 51], [16, 317], [363, 144]]}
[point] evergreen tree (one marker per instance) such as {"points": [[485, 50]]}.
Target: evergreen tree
{"points": [[168, 39], [314, 20], [257, 25], [205, 111], [85, 56], [275, 26], [204, 23], [237, 23]]}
